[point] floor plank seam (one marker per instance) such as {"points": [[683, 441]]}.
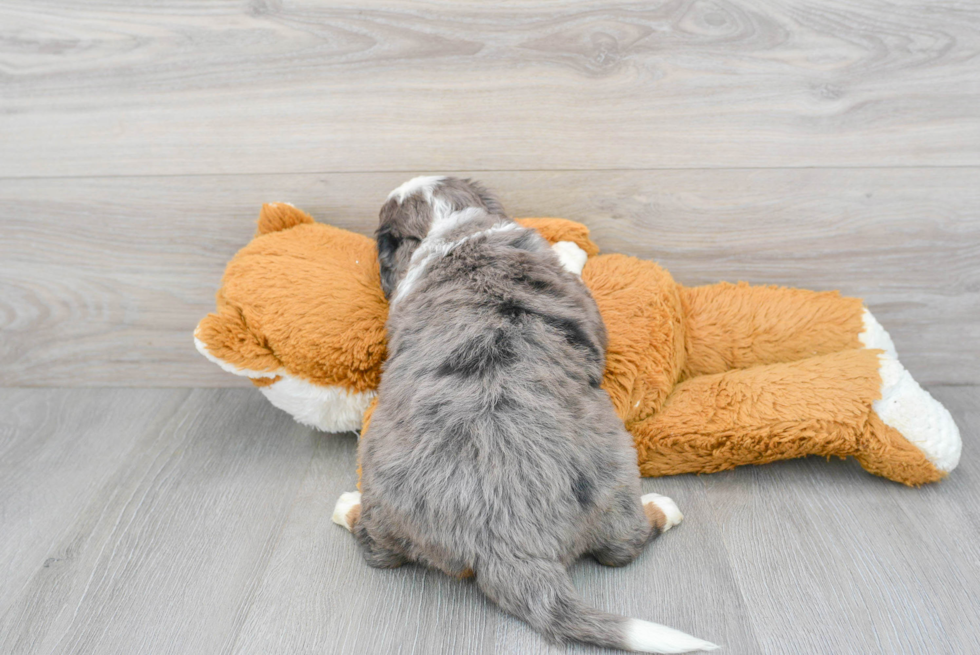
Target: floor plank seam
{"points": [[413, 171]]}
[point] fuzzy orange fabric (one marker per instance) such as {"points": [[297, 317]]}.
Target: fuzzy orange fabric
{"points": [[762, 414], [705, 378], [641, 308], [733, 326], [328, 329]]}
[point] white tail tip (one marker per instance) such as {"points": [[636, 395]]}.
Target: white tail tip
{"points": [[647, 637]]}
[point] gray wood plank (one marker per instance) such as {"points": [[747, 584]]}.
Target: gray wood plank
{"points": [[208, 531], [103, 280], [964, 487], [832, 560], [318, 596], [148, 88], [166, 556], [58, 450]]}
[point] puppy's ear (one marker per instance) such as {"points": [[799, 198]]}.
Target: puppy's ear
{"points": [[387, 247], [489, 199]]}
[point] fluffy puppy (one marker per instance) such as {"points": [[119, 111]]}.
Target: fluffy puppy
{"points": [[493, 451]]}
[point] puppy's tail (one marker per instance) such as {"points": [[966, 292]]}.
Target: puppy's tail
{"points": [[540, 592]]}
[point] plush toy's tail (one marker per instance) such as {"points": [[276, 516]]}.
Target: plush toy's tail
{"points": [[540, 592]]}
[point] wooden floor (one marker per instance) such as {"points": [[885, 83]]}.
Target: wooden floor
{"points": [[150, 504], [198, 521]]}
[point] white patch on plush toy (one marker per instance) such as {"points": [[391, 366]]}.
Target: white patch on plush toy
{"points": [[875, 336], [571, 256], [230, 368], [919, 417], [327, 408], [907, 407], [667, 506], [445, 221], [424, 183], [345, 504]]}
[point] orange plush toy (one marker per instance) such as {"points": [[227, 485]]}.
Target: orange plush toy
{"points": [[705, 378]]}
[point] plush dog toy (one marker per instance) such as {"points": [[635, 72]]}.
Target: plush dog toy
{"points": [[705, 378]]}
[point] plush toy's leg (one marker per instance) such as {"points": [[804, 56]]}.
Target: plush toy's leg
{"points": [[824, 405], [739, 326], [733, 326], [909, 411]]}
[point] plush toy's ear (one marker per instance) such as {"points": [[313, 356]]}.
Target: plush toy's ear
{"points": [[280, 216], [224, 338], [560, 229]]}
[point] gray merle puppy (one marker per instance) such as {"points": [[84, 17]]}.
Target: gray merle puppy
{"points": [[493, 452]]}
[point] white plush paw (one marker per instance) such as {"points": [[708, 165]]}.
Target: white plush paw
{"points": [[875, 336], [919, 417], [667, 506], [342, 510], [572, 257]]}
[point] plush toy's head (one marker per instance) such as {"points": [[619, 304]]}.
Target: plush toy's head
{"points": [[301, 312]]}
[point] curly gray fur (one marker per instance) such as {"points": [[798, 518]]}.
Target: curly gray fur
{"points": [[493, 449]]}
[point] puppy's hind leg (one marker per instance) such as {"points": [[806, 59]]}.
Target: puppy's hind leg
{"points": [[380, 548], [631, 524], [661, 511], [347, 510]]}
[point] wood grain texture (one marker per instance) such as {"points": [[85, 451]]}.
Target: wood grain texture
{"points": [[58, 450], [103, 280], [165, 556], [208, 531], [263, 86], [832, 561]]}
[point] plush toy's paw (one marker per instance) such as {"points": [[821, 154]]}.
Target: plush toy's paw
{"points": [[920, 418], [661, 511], [348, 509], [875, 336], [572, 257], [907, 407]]}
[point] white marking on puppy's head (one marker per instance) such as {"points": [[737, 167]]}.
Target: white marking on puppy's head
{"points": [[445, 221], [418, 220], [423, 183]]}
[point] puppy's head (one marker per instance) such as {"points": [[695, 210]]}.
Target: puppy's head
{"points": [[423, 207]]}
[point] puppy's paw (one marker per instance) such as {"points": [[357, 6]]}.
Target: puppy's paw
{"points": [[348, 509], [572, 257], [661, 511]]}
